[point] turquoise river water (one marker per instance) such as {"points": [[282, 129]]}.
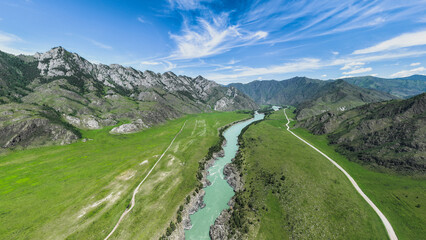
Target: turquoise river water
{"points": [[219, 192]]}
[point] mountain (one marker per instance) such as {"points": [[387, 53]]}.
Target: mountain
{"points": [[287, 92], [400, 87], [337, 96], [59, 88], [389, 134], [311, 96]]}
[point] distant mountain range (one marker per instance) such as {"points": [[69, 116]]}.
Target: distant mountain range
{"points": [[389, 134], [44, 98], [311, 96], [399, 87]]}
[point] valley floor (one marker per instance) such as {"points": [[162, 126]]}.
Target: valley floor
{"points": [[80, 190], [293, 191]]}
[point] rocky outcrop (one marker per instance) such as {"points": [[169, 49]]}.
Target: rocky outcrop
{"points": [[232, 176], [60, 63], [220, 230], [129, 127], [382, 135], [93, 96], [40, 131], [190, 208]]}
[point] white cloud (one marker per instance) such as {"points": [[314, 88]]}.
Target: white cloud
{"points": [[99, 44], [151, 63], [415, 64], [208, 38], [406, 73], [260, 35], [8, 41], [358, 70], [187, 4], [306, 65], [169, 66], [233, 61], [401, 41], [300, 65], [324, 75], [140, 19], [352, 65], [335, 53], [374, 74], [349, 76]]}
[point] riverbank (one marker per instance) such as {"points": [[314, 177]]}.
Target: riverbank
{"points": [[220, 192], [194, 201], [291, 192]]}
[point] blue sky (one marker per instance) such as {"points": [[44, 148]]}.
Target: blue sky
{"points": [[228, 41]]}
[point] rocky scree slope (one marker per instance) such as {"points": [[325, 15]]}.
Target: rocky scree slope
{"points": [[91, 96], [311, 96], [386, 135]]}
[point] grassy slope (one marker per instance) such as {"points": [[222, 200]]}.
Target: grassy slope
{"points": [[43, 191], [402, 199], [315, 201]]}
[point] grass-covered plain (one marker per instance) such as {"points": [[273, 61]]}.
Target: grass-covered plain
{"points": [[294, 192], [402, 199], [79, 191]]}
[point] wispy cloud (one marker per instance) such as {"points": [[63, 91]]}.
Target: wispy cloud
{"points": [[100, 45], [187, 4], [207, 38], [8, 42], [352, 65], [140, 19], [169, 66], [299, 65], [308, 64], [415, 64], [151, 63], [358, 71], [401, 41], [406, 73]]}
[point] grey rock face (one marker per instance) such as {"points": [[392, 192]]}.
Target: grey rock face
{"points": [[220, 229], [232, 176], [92, 96], [59, 62], [42, 131]]}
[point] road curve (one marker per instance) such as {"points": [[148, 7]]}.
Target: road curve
{"points": [[385, 221], [132, 202]]}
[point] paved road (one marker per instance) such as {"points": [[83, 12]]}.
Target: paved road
{"points": [[385, 221], [132, 202]]}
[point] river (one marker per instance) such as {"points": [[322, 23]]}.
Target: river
{"points": [[219, 192]]}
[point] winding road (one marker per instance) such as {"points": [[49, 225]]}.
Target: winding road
{"points": [[132, 202], [385, 221]]}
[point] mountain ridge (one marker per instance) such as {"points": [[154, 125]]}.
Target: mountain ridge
{"points": [[388, 134], [92, 96], [311, 96]]}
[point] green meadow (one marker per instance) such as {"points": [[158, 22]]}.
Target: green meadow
{"points": [[402, 199], [79, 191], [294, 192]]}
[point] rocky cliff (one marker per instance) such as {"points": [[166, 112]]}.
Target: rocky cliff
{"points": [[390, 135], [92, 96]]}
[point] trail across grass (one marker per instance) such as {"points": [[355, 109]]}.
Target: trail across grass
{"points": [[385, 221], [293, 192], [402, 199], [79, 191]]}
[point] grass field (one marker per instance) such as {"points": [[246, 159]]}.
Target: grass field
{"points": [[401, 198], [79, 191], [294, 192]]}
